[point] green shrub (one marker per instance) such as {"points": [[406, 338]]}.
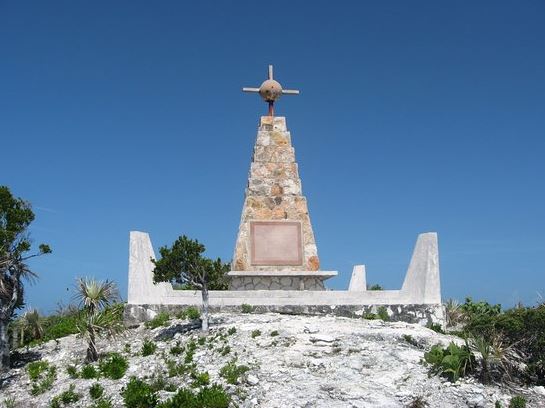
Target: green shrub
{"points": [[498, 404], [436, 327], [9, 402], [192, 313], [200, 379], [177, 349], [161, 319], [66, 398], [102, 403], [89, 371], [517, 402], [369, 316], [138, 394], [42, 376], [452, 362], [225, 350], [418, 402], [376, 286], [127, 348], [96, 390], [148, 348], [72, 372], [190, 351], [36, 369], [231, 371], [231, 331], [382, 313], [208, 397], [274, 333], [409, 339], [58, 326], [256, 333], [114, 366], [246, 308]]}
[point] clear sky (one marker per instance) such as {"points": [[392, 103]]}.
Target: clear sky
{"points": [[413, 117]]}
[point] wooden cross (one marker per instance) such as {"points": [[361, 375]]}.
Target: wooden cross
{"points": [[271, 90]]}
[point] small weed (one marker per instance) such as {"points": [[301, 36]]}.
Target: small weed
{"points": [[72, 372], [176, 349], [231, 371], [138, 394], [382, 313], [96, 390], [192, 313], [231, 331], [274, 333], [102, 403], [246, 308], [161, 319], [43, 377], [200, 379], [201, 341], [418, 402], [369, 316], [127, 348], [436, 327], [409, 339], [190, 352], [89, 371], [225, 350], [148, 348], [114, 366], [517, 401], [66, 398], [256, 333], [9, 402]]}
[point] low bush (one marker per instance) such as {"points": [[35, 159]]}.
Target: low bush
{"points": [[192, 313], [89, 371], [256, 333], [410, 339], [231, 331], [200, 379], [102, 403], [65, 398], [177, 349], [161, 319], [96, 390], [190, 351], [231, 371], [369, 316], [208, 397], [246, 308], [436, 327], [72, 372], [148, 348], [452, 362], [138, 394], [42, 376], [382, 313], [274, 333], [225, 350], [517, 402], [376, 286], [113, 366]]}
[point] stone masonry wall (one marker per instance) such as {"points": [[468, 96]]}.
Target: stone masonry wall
{"points": [[276, 283], [274, 193]]}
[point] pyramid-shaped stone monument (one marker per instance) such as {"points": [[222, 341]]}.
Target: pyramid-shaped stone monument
{"points": [[275, 247]]}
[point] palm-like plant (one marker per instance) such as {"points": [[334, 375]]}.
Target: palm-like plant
{"points": [[100, 317], [30, 322], [453, 313]]}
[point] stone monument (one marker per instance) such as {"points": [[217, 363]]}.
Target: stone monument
{"points": [[275, 247]]}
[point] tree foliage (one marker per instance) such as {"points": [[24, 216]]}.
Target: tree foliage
{"points": [[184, 263], [15, 250]]}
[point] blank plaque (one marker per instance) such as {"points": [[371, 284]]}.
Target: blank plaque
{"points": [[275, 243]]}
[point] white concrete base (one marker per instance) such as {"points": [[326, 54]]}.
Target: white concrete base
{"points": [[421, 284], [358, 281]]}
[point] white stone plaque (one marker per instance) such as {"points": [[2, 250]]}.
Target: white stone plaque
{"points": [[276, 243]]}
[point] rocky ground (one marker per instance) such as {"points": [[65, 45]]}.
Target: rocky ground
{"points": [[312, 362]]}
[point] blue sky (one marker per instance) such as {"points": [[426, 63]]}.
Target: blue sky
{"points": [[413, 117]]}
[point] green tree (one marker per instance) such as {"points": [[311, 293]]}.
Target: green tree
{"points": [[99, 317], [15, 250], [183, 263]]}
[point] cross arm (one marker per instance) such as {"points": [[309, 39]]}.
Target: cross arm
{"points": [[250, 89], [290, 92]]}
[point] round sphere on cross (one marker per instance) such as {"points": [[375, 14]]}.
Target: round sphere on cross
{"points": [[270, 90]]}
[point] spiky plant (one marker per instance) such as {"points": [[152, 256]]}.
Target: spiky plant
{"points": [[453, 313], [30, 322], [100, 316]]}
